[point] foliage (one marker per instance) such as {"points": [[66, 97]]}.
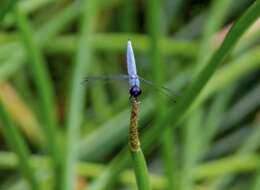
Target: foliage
{"points": [[60, 132]]}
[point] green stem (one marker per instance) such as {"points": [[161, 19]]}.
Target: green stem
{"points": [[102, 42], [19, 146], [77, 92], [192, 145], [158, 68], [44, 88], [216, 16], [128, 16], [139, 164], [140, 169], [169, 159]]}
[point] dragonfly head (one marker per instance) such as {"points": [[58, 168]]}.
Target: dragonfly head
{"points": [[135, 91]]}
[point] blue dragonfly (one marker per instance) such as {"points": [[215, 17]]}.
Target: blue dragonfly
{"points": [[132, 77]]}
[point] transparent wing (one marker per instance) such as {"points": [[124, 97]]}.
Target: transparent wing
{"points": [[162, 89], [171, 94], [105, 78]]}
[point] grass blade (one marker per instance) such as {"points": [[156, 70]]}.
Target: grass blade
{"points": [[158, 70], [76, 99], [18, 144], [44, 88]]}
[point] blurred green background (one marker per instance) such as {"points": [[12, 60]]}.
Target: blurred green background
{"points": [[59, 132]]}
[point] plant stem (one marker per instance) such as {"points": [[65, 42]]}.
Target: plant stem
{"points": [[157, 59], [77, 92], [102, 42], [44, 87], [18, 144], [139, 164]]}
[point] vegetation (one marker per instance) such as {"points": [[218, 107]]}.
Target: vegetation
{"points": [[59, 131]]}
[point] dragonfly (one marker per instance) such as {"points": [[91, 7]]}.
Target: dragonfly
{"points": [[133, 79]]}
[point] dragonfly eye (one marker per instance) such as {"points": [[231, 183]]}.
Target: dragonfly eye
{"points": [[135, 91]]}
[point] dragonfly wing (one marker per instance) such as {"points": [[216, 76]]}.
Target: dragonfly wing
{"points": [[172, 95], [105, 78]]}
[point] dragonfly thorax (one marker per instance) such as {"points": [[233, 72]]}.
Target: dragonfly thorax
{"points": [[135, 91], [134, 80]]}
